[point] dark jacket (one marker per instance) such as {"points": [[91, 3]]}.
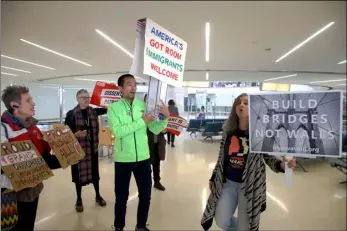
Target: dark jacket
{"points": [[173, 109], [152, 146]]}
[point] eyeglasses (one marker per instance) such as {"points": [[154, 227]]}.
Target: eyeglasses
{"points": [[87, 98]]}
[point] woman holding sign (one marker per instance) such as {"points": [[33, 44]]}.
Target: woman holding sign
{"points": [[238, 179], [18, 124], [173, 110], [83, 121]]}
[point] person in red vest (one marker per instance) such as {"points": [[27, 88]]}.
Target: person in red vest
{"points": [[18, 124]]}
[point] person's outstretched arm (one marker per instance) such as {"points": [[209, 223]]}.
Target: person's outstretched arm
{"points": [[158, 126], [273, 163]]}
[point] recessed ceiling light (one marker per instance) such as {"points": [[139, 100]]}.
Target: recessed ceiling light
{"points": [[94, 80], [102, 80], [207, 42], [305, 41], [328, 81], [281, 77], [342, 62], [23, 61], [55, 52], [14, 69], [5, 73], [102, 34], [206, 75]]}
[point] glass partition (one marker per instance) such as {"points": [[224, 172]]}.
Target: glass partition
{"points": [[47, 101]]}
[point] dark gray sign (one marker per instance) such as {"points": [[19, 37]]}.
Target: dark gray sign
{"points": [[302, 124]]}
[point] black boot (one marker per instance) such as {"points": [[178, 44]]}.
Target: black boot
{"points": [[79, 206], [141, 228], [100, 201], [159, 186], [172, 145], [117, 229]]}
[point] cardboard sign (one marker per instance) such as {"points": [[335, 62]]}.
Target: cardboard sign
{"points": [[23, 165], [104, 94], [158, 53], [65, 146], [57, 126], [105, 136], [176, 124], [301, 124]]}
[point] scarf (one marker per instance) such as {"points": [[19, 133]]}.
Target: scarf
{"points": [[85, 165]]}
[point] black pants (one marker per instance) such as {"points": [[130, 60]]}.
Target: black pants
{"points": [[26, 215], [156, 162], [170, 137], [142, 172]]}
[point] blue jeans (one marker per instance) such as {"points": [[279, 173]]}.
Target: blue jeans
{"points": [[232, 197]]}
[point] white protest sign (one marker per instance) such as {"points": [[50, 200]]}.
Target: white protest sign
{"points": [[163, 53], [176, 124]]}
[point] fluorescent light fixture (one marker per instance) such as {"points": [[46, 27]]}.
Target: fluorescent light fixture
{"points": [[281, 77], [342, 84], [5, 73], [23, 61], [207, 42], [196, 84], [328, 81], [55, 52], [342, 62], [102, 34], [275, 87], [305, 41], [94, 80], [206, 75], [14, 69]]}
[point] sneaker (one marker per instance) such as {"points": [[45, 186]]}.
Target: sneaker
{"points": [[159, 186], [100, 201], [79, 206], [141, 228], [117, 229]]}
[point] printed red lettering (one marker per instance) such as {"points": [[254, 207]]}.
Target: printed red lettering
{"points": [[173, 53], [156, 45], [164, 72]]}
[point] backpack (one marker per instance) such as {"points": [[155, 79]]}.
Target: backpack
{"points": [[9, 212]]}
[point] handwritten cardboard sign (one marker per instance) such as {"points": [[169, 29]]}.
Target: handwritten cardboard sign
{"points": [[65, 146], [23, 165], [176, 124], [104, 94]]}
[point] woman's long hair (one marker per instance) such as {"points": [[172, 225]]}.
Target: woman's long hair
{"points": [[232, 124]]}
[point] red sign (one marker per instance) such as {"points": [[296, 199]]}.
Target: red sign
{"points": [[176, 124], [104, 94]]}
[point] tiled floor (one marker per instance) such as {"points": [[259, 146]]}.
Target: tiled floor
{"points": [[316, 200]]}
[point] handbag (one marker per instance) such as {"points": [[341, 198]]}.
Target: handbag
{"points": [[9, 213]]}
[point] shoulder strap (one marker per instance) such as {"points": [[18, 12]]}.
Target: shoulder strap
{"points": [[5, 129]]}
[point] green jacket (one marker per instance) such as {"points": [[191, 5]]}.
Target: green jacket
{"points": [[130, 130]]}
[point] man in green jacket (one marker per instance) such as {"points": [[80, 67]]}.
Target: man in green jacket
{"points": [[128, 122]]}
